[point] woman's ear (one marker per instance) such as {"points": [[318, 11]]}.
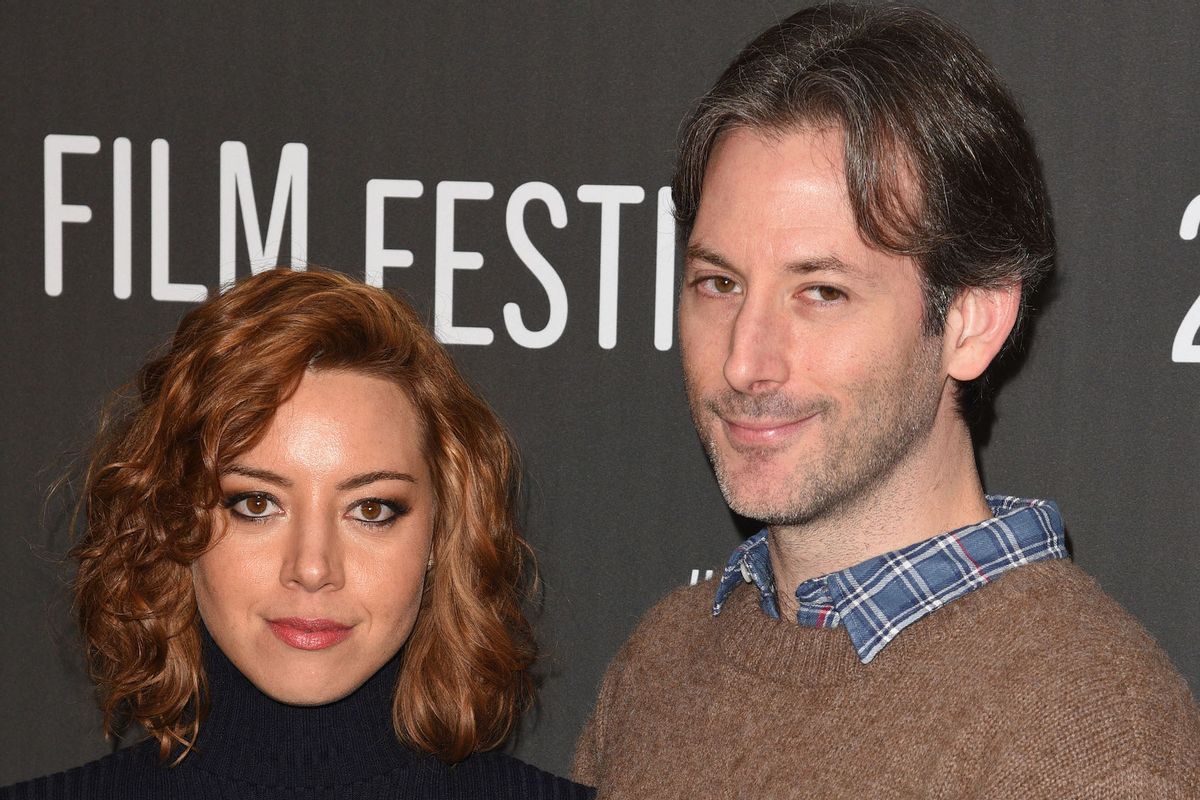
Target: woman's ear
{"points": [[977, 326]]}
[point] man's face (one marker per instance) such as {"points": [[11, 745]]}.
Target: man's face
{"points": [[808, 372]]}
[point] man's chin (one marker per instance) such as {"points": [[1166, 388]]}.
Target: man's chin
{"points": [[745, 496], [783, 512]]}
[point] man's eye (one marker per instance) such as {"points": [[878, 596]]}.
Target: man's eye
{"points": [[252, 506], [722, 284], [826, 294]]}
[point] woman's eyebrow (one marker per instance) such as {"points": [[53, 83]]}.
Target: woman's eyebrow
{"points": [[370, 477], [257, 474]]}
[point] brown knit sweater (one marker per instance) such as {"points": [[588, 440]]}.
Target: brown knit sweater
{"points": [[1035, 686]]}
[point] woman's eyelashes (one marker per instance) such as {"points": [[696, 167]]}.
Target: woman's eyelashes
{"points": [[253, 506], [375, 512]]}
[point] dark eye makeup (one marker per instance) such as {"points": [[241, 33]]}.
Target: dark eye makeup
{"points": [[375, 512], [251, 506]]}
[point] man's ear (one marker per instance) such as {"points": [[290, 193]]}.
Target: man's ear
{"points": [[977, 326]]}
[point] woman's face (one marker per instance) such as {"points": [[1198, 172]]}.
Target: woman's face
{"points": [[315, 581]]}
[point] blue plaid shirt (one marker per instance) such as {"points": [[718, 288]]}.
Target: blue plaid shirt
{"points": [[882, 596]]}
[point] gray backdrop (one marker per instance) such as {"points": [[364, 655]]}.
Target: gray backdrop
{"points": [[622, 505]]}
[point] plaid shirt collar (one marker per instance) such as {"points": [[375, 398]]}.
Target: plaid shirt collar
{"points": [[882, 596]]}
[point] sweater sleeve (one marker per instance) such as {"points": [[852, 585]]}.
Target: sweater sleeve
{"points": [[589, 749], [1115, 769], [1122, 727], [586, 768], [589, 765]]}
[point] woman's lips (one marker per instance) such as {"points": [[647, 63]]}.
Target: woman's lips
{"points": [[309, 634], [762, 433]]}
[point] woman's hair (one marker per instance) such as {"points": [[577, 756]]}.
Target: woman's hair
{"points": [[153, 488]]}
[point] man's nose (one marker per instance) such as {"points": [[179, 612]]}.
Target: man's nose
{"points": [[758, 346]]}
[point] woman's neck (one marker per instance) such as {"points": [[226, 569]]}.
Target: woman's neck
{"points": [[254, 738]]}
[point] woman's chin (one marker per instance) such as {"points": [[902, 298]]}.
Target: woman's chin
{"points": [[313, 692], [301, 678]]}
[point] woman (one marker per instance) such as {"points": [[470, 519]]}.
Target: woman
{"points": [[301, 574]]}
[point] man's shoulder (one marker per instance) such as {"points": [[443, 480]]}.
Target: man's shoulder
{"points": [[684, 604], [1055, 603], [678, 614], [1056, 666], [661, 648], [1049, 613], [1046, 634], [667, 632]]}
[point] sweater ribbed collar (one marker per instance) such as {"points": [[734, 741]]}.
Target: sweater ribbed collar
{"points": [[758, 644], [249, 737]]}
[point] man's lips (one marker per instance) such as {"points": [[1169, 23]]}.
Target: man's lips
{"points": [[309, 634], [762, 432]]}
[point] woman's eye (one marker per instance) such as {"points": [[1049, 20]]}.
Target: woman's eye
{"points": [[252, 506], [374, 511]]}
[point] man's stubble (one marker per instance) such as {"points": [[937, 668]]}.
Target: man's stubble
{"points": [[892, 413]]}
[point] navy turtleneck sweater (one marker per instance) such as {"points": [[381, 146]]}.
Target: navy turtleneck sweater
{"points": [[251, 746]]}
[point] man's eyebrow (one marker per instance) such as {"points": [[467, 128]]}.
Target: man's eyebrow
{"points": [[825, 264], [697, 252], [257, 474], [370, 477], [801, 267]]}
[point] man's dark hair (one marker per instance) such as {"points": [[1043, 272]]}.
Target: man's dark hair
{"points": [[920, 107]]}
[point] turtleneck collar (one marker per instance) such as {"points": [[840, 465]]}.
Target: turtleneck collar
{"points": [[247, 736]]}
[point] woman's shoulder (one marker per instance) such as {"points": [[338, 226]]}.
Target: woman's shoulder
{"points": [[132, 773], [496, 774], [135, 773]]}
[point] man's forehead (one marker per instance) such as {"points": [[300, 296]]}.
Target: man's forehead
{"points": [[770, 186], [827, 152], [780, 197], [820, 147]]}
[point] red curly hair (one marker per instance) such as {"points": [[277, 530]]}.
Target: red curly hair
{"points": [[152, 490]]}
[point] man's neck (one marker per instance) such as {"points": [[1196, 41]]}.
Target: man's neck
{"points": [[935, 489]]}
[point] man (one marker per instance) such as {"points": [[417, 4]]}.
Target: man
{"points": [[866, 220]]}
